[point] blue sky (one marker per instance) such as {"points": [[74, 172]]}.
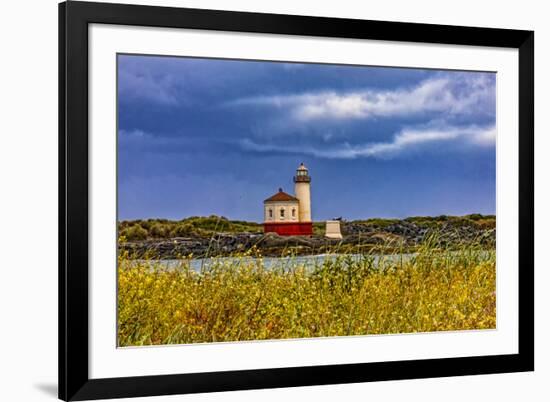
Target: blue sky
{"points": [[206, 136]]}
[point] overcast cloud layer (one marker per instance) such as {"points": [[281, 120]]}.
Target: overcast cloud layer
{"points": [[201, 137]]}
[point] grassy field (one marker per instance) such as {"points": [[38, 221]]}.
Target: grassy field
{"points": [[236, 300]]}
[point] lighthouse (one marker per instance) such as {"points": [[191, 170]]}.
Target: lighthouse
{"points": [[290, 215], [302, 183]]}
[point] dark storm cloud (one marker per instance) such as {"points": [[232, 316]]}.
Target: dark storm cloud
{"points": [[230, 132]]}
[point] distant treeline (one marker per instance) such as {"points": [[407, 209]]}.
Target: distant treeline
{"points": [[206, 226]]}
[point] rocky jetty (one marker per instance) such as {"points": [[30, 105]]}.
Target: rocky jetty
{"points": [[414, 234], [356, 236]]}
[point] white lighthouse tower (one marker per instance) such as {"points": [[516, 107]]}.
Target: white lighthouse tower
{"points": [[302, 183]]}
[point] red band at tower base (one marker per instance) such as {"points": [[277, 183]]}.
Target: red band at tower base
{"points": [[289, 228]]}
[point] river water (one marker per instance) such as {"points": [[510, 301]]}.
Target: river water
{"points": [[292, 262], [287, 263]]}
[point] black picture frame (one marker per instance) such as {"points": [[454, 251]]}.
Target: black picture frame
{"points": [[74, 381]]}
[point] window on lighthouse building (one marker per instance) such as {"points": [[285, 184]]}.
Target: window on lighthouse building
{"points": [[293, 212], [282, 212], [271, 213]]}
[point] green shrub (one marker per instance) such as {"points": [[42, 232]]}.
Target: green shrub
{"points": [[158, 230], [147, 224], [319, 228], [134, 232], [381, 222], [182, 230]]}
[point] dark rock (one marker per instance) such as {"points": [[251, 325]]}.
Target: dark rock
{"points": [[270, 244]]}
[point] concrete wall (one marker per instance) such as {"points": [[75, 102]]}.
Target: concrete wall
{"points": [[332, 230]]}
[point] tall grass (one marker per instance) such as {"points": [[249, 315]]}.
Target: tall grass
{"points": [[239, 299]]}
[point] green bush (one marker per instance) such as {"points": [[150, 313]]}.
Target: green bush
{"points": [[134, 232], [182, 230], [158, 230], [381, 222]]}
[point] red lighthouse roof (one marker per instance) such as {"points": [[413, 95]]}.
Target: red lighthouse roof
{"points": [[281, 196]]}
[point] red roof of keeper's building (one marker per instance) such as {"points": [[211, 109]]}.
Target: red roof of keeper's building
{"points": [[281, 196]]}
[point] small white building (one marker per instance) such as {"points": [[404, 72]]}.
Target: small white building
{"points": [[281, 207]]}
